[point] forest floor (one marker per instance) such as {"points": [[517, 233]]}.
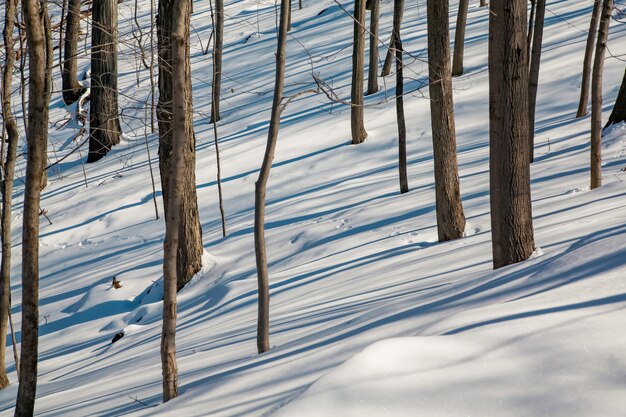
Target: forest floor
{"points": [[369, 314]]}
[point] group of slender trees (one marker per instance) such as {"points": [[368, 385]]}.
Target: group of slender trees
{"points": [[513, 59]]}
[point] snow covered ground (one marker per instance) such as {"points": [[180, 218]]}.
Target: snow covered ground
{"points": [[369, 315]]}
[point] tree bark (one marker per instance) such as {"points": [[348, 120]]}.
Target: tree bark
{"points": [[104, 128], [34, 19], [388, 58], [531, 25], [189, 258], [72, 90], [181, 104], [6, 186], [357, 114], [596, 94], [217, 60], [263, 325], [372, 76], [619, 109], [509, 160], [459, 38], [398, 7], [450, 217], [586, 80], [533, 82]]}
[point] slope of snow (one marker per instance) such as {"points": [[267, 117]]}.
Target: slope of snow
{"points": [[352, 262]]}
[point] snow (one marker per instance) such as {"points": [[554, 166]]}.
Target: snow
{"points": [[365, 304]]}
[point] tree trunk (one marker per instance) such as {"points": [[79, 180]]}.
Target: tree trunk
{"points": [[533, 81], [591, 37], [189, 258], [483, 3], [596, 95], [459, 38], [263, 326], [217, 60], [34, 12], [72, 90], [388, 58], [181, 105], [6, 186], [105, 130], [531, 25], [509, 160], [619, 109], [356, 120], [450, 217], [398, 7], [372, 76]]}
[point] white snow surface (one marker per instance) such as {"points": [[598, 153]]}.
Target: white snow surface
{"points": [[369, 314]]}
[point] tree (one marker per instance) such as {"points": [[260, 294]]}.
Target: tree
{"points": [[509, 160], [358, 51], [450, 217], [619, 109], [217, 60], [596, 94], [104, 124], [591, 37], [6, 186], [34, 12], [181, 104], [533, 81], [72, 90], [398, 8], [372, 75], [459, 38], [260, 187], [189, 257]]}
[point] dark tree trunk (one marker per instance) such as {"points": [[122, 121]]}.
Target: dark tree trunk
{"points": [[450, 217], [181, 106], [39, 96], [586, 81], [459, 38], [356, 120], [596, 94], [398, 8], [6, 186], [531, 25], [217, 60], [533, 81], [189, 258], [105, 130], [509, 160], [263, 325], [388, 58], [72, 90], [372, 76], [619, 109]]}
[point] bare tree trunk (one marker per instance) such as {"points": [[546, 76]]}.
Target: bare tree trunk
{"points": [[596, 94], [218, 48], [450, 217], [181, 103], [104, 127], [591, 37], [531, 25], [483, 3], [509, 161], [189, 258], [263, 326], [388, 58], [619, 109], [356, 116], [398, 7], [34, 12], [459, 38], [533, 82], [10, 126], [61, 27], [372, 76]]}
